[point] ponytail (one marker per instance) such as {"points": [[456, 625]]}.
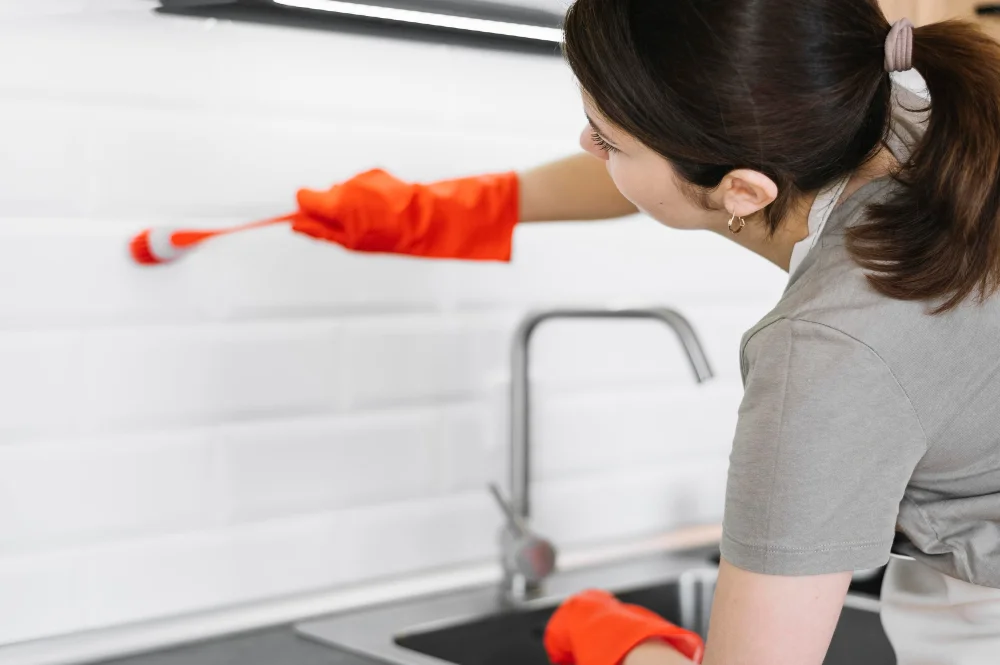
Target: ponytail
{"points": [[939, 239], [798, 91]]}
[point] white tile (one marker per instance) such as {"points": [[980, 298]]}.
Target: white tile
{"points": [[271, 273], [474, 446], [252, 167], [417, 536], [631, 262], [319, 465], [572, 353], [70, 272], [40, 595], [289, 467], [168, 376], [155, 578], [40, 386], [266, 273], [631, 503], [412, 359], [274, 273], [631, 429], [46, 163], [187, 62], [87, 490], [19, 8], [140, 378]]}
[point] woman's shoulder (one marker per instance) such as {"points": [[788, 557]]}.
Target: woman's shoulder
{"points": [[834, 298]]}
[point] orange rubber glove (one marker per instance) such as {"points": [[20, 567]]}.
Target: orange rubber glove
{"points": [[595, 628], [467, 218]]}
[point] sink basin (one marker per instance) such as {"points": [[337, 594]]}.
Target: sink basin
{"points": [[475, 627], [516, 637]]}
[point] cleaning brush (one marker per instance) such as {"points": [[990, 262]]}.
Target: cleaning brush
{"points": [[154, 246], [470, 219]]}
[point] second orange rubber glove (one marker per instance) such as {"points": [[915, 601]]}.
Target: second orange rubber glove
{"points": [[595, 628], [469, 218]]}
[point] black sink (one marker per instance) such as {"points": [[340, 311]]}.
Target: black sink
{"points": [[516, 637]]}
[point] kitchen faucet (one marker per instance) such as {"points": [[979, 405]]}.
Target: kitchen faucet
{"points": [[527, 558]]}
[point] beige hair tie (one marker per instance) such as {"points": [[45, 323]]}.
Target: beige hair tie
{"points": [[899, 46]]}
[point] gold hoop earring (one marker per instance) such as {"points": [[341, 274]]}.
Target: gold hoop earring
{"points": [[737, 229]]}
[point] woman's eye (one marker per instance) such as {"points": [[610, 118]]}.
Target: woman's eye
{"points": [[601, 143]]}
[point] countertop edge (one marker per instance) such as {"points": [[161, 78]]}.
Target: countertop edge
{"points": [[192, 629]]}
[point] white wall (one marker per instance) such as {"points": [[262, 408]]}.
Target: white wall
{"points": [[272, 415]]}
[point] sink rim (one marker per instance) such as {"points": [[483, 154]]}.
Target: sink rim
{"points": [[372, 632], [704, 574]]}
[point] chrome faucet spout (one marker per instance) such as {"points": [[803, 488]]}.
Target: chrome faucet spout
{"points": [[516, 582]]}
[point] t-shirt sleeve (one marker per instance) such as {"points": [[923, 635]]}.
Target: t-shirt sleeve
{"points": [[825, 445]]}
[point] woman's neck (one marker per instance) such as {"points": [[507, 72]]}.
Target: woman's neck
{"points": [[794, 228]]}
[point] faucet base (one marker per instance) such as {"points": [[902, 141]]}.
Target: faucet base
{"points": [[516, 591]]}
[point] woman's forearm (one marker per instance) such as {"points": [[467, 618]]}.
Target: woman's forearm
{"points": [[573, 188]]}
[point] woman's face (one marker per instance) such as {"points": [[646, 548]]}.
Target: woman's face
{"points": [[651, 184], [643, 177]]}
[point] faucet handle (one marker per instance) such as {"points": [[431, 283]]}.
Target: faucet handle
{"points": [[524, 554], [514, 521]]}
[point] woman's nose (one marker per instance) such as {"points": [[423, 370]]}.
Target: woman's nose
{"points": [[588, 144]]}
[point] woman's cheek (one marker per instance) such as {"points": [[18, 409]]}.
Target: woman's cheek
{"points": [[625, 180]]}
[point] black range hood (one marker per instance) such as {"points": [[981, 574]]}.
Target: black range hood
{"points": [[479, 22]]}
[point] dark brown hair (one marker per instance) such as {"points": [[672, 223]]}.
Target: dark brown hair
{"points": [[797, 90]]}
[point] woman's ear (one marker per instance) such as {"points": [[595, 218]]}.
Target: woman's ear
{"points": [[744, 192]]}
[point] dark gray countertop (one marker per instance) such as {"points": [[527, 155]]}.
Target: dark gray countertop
{"points": [[278, 646], [274, 646], [283, 646]]}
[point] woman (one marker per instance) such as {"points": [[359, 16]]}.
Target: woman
{"points": [[872, 387]]}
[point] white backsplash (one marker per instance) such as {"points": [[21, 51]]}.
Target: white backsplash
{"points": [[274, 416]]}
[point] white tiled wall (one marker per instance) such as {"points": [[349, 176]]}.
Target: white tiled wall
{"points": [[273, 415]]}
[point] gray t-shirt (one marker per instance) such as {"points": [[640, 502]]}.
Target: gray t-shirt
{"points": [[864, 416]]}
